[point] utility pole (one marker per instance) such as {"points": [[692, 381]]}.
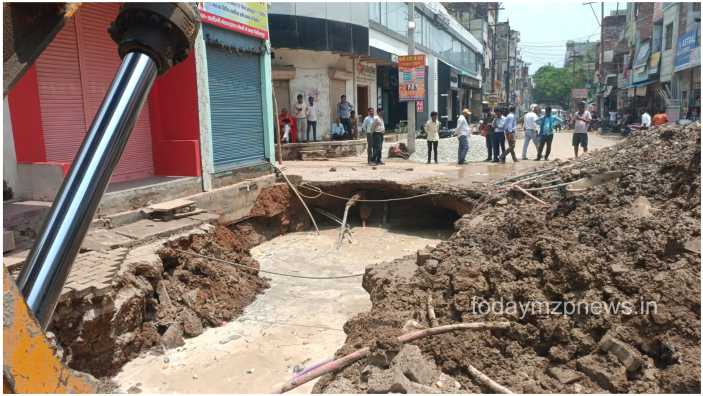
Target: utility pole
{"points": [[507, 80], [602, 59], [411, 51]]}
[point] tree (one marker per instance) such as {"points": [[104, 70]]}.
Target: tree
{"points": [[552, 86]]}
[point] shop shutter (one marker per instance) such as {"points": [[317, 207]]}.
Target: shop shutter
{"points": [[99, 62], [235, 108], [61, 96]]}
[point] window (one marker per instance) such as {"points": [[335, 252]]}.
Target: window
{"points": [[375, 12], [669, 36]]}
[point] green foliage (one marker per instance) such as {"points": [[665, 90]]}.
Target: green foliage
{"points": [[552, 85]]}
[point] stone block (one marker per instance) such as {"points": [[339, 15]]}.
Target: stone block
{"points": [[627, 355], [415, 366], [173, 337], [422, 256], [564, 375], [8, 241]]}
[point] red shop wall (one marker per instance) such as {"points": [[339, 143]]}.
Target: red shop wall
{"points": [[175, 125]]}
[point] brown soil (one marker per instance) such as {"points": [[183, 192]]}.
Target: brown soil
{"points": [[154, 305], [635, 238]]}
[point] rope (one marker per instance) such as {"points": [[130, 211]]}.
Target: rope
{"points": [[319, 192], [267, 272]]}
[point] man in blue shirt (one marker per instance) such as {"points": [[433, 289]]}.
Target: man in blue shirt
{"points": [[509, 129], [498, 135], [546, 123]]}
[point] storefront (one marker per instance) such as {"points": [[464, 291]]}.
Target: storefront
{"points": [[687, 76], [237, 83], [53, 105]]}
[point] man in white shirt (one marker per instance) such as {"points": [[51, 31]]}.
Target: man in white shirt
{"points": [[462, 132], [378, 127], [366, 127], [311, 114], [646, 120], [300, 110], [580, 136], [531, 128], [432, 131]]}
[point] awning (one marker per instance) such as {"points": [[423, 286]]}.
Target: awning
{"points": [[641, 84]]}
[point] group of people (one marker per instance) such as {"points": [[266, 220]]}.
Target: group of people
{"points": [[374, 128], [500, 126], [296, 128]]}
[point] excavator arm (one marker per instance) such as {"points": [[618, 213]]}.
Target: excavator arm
{"points": [[151, 38]]}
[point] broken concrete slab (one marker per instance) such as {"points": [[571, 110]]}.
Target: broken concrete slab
{"points": [[415, 366], [608, 375], [171, 206], [626, 354], [93, 272], [102, 239], [564, 375], [148, 229]]}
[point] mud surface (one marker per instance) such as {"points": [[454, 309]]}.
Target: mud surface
{"points": [[625, 246]]}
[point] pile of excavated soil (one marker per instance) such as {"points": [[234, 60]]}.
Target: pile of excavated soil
{"points": [[155, 304], [618, 266]]}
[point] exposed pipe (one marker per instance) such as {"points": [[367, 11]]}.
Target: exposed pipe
{"points": [[52, 255]]}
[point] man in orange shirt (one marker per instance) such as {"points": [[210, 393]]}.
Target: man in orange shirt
{"points": [[660, 119]]}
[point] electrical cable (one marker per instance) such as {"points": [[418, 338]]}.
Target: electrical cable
{"points": [[319, 192], [265, 271]]}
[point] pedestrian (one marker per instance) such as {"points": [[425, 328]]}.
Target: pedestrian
{"points": [[354, 125], [312, 119], [582, 119], [282, 117], [366, 127], [660, 118], [344, 109], [301, 110], [499, 136], [509, 130], [338, 132], [432, 131], [462, 132], [378, 128], [646, 120], [531, 129], [547, 124], [487, 130]]}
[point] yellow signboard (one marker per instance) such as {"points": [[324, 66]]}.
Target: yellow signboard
{"points": [[250, 19]]}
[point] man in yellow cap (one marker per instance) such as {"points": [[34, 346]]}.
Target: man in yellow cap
{"points": [[462, 132]]}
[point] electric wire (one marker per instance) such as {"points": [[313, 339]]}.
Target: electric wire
{"points": [[265, 271], [319, 192]]}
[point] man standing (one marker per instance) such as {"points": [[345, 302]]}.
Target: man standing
{"points": [[487, 130], [509, 128], [366, 127], [344, 109], [312, 119], [530, 126], [301, 110], [580, 137], [499, 136], [378, 127], [462, 131], [432, 131], [546, 132], [646, 120]]}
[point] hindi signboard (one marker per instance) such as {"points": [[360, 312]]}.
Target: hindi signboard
{"points": [[250, 19], [411, 84], [685, 48]]}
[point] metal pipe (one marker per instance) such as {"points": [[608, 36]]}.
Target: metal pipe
{"points": [[52, 255]]}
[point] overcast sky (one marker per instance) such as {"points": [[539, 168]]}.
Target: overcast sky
{"points": [[545, 26]]}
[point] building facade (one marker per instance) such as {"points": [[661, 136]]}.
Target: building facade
{"points": [[197, 121]]}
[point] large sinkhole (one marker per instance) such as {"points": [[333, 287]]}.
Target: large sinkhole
{"points": [[182, 303]]}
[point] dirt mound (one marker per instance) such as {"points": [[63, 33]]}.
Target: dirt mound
{"points": [[602, 286]]}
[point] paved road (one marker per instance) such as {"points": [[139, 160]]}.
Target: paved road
{"points": [[411, 171]]}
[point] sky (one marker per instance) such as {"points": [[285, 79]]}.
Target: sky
{"points": [[545, 26]]}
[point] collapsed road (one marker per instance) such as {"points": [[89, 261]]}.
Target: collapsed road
{"points": [[619, 225]]}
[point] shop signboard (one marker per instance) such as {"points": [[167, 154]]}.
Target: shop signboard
{"points": [[686, 51], [411, 72], [250, 19]]}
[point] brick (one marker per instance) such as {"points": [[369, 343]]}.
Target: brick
{"points": [[626, 354]]}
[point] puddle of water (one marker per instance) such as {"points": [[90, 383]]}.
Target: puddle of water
{"points": [[292, 325]]}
